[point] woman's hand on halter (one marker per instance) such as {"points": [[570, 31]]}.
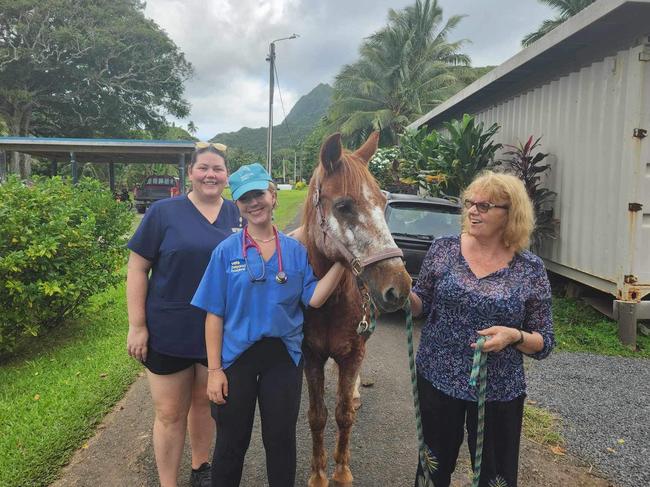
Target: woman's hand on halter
{"points": [[217, 386]]}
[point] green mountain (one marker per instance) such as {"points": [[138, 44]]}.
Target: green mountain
{"points": [[299, 123]]}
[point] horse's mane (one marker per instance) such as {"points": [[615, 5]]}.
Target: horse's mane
{"points": [[352, 174]]}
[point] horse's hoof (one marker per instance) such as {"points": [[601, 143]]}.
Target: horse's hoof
{"points": [[343, 475], [318, 479], [356, 403]]}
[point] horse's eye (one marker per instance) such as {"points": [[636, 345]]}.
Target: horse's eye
{"points": [[344, 206]]}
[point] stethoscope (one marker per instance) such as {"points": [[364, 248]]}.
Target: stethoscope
{"points": [[248, 242]]}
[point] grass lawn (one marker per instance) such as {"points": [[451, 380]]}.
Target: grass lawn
{"points": [[53, 394], [579, 328]]}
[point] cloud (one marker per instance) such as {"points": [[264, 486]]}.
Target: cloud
{"points": [[227, 42]]}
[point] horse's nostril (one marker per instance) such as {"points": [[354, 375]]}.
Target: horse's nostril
{"points": [[391, 295]]}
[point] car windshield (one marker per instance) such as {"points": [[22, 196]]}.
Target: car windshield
{"points": [[424, 221]]}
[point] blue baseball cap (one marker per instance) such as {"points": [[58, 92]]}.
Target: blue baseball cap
{"points": [[248, 178]]}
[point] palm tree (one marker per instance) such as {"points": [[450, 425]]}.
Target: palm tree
{"points": [[404, 70], [567, 8]]}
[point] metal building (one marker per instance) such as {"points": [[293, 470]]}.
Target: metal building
{"points": [[585, 88]]}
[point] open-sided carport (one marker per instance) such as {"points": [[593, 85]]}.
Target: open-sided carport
{"points": [[100, 151]]}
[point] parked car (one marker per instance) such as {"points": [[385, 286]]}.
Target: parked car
{"points": [[415, 221], [154, 188]]}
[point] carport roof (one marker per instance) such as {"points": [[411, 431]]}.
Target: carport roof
{"points": [[100, 150], [598, 31]]}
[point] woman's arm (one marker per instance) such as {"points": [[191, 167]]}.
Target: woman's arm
{"points": [[326, 285], [137, 276], [217, 380]]}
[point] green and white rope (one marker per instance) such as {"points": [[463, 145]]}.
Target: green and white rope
{"points": [[479, 373], [427, 460]]}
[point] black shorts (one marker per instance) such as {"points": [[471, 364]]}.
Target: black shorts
{"points": [[161, 364]]}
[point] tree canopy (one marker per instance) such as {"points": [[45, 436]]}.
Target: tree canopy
{"points": [[404, 70], [567, 9], [87, 68]]}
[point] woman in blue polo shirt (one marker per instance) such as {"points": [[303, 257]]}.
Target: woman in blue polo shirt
{"points": [[252, 291], [169, 253]]}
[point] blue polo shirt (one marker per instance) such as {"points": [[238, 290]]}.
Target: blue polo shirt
{"points": [[178, 240], [255, 310]]}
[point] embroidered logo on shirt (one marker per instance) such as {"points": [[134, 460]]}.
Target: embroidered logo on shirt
{"points": [[237, 265]]}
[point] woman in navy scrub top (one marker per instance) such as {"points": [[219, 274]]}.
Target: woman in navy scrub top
{"points": [[169, 253], [252, 290]]}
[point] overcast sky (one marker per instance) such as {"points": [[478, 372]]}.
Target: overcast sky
{"points": [[227, 42]]}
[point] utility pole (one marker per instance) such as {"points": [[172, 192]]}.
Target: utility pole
{"points": [[269, 135], [295, 174]]}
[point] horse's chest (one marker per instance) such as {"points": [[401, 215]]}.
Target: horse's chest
{"points": [[332, 329]]}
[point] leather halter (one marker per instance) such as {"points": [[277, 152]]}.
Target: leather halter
{"points": [[356, 264]]}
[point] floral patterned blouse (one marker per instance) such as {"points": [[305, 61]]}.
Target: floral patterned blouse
{"points": [[457, 304]]}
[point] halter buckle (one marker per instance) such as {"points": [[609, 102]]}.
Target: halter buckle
{"points": [[363, 326], [356, 267]]}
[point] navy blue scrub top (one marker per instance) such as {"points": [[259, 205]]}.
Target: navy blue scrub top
{"points": [[179, 241]]}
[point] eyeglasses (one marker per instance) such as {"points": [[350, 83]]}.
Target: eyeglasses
{"points": [[483, 206], [216, 145], [251, 195]]}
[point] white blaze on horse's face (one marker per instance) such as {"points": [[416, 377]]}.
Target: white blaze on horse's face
{"points": [[363, 230]]}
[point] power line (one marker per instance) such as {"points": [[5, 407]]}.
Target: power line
{"points": [[286, 124]]}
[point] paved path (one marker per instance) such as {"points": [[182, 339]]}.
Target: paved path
{"points": [[383, 440]]}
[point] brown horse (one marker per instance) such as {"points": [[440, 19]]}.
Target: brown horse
{"points": [[343, 220]]}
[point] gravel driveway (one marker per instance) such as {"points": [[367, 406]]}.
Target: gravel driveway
{"points": [[604, 403]]}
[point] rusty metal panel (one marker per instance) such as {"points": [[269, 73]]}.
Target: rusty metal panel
{"points": [[588, 120]]}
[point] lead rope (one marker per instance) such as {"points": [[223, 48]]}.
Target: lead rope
{"points": [[479, 371], [428, 462]]}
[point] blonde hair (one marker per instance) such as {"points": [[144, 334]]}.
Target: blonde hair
{"points": [[499, 187]]}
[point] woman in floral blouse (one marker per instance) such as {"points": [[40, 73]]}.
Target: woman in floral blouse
{"points": [[481, 283]]}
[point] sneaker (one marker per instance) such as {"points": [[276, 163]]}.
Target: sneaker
{"points": [[201, 476]]}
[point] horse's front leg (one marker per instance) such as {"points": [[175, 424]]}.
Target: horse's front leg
{"points": [[345, 415], [315, 374]]}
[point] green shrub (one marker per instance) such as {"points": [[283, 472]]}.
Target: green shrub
{"points": [[464, 152], [446, 162], [59, 245], [418, 161], [383, 166], [300, 185]]}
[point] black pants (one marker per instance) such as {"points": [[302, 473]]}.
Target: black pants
{"points": [[266, 372], [443, 422]]}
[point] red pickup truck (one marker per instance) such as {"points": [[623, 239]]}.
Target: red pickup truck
{"points": [[155, 188]]}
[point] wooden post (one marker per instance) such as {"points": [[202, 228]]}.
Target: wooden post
{"points": [[181, 172], [111, 176], [75, 171]]}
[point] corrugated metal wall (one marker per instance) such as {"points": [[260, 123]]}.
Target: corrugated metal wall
{"points": [[587, 119]]}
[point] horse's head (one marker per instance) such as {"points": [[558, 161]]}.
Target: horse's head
{"points": [[344, 219]]}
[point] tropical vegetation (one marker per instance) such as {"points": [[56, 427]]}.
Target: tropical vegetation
{"points": [[440, 163], [530, 169], [82, 68], [60, 244], [566, 8], [403, 71]]}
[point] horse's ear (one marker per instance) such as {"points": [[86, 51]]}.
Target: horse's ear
{"points": [[368, 149], [330, 152]]}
